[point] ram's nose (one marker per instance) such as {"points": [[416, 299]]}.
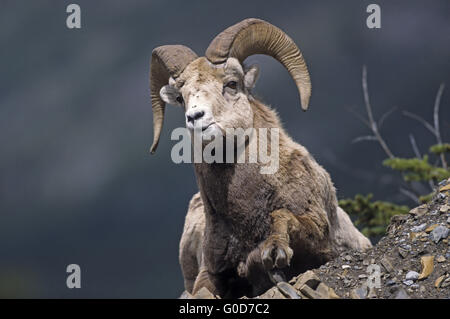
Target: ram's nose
{"points": [[193, 116]]}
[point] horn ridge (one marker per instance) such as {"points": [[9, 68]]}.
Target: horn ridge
{"points": [[256, 36]]}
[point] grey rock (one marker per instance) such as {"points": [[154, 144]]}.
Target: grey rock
{"points": [[446, 283], [309, 293], [359, 293], [412, 275], [406, 247], [440, 232], [204, 293], [372, 293], [401, 294], [387, 264], [272, 293], [408, 282], [309, 278], [185, 295], [326, 292], [390, 282], [419, 228], [287, 290], [403, 252], [443, 182]]}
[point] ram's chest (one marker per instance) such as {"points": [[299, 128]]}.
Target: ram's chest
{"points": [[237, 212]]}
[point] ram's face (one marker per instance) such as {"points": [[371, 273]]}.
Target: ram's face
{"points": [[214, 97]]}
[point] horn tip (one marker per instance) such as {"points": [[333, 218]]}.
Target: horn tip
{"points": [[153, 149]]}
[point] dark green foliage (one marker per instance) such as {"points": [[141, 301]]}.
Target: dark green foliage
{"points": [[416, 169], [426, 198], [440, 148], [372, 217]]}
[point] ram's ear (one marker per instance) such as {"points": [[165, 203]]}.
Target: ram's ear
{"points": [[169, 94], [251, 76]]}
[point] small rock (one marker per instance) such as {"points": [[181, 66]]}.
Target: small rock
{"points": [[419, 211], [204, 293], [427, 266], [401, 294], [287, 290], [345, 266], [402, 252], [422, 289], [359, 293], [390, 282], [326, 292], [309, 293], [362, 276], [413, 236], [412, 275], [272, 293], [448, 220], [408, 282], [438, 282], [446, 283], [444, 208], [440, 259], [348, 258], [418, 229], [372, 293], [440, 232], [185, 295], [442, 183], [430, 229], [406, 247], [387, 264], [308, 278]]}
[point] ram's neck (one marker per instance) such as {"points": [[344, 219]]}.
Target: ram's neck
{"points": [[216, 180]]}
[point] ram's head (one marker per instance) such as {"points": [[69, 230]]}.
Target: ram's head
{"points": [[215, 90]]}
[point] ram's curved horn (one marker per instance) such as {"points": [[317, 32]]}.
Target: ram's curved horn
{"points": [[255, 36], [167, 61]]}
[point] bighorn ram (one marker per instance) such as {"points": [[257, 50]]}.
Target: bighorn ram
{"points": [[245, 230]]}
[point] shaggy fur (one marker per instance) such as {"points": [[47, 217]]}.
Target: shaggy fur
{"points": [[255, 223]]}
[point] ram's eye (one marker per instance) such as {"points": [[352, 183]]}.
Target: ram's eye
{"points": [[232, 85], [180, 99]]}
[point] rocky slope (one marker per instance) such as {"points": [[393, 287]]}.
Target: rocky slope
{"points": [[411, 261]]}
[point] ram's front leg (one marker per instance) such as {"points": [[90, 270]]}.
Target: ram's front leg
{"points": [[275, 251]]}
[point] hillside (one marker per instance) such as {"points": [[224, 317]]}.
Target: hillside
{"points": [[412, 259]]}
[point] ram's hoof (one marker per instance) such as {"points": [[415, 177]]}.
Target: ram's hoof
{"points": [[275, 254]]}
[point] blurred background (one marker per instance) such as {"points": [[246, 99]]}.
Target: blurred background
{"points": [[77, 183]]}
